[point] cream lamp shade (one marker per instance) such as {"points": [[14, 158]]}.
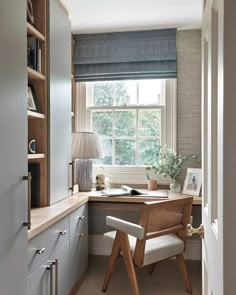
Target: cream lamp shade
{"points": [[85, 147]]}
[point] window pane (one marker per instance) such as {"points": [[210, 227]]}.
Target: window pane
{"points": [[149, 92], [125, 152], [102, 123], [149, 123], [125, 123], [107, 151], [103, 93], [147, 149], [126, 93]]}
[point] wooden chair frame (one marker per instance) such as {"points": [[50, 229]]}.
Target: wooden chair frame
{"points": [[157, 219]]}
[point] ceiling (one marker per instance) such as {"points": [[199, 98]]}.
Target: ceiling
{"points": [[92, 16]]}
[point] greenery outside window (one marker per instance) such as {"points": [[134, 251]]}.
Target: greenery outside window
{"points": [[132, 117]]}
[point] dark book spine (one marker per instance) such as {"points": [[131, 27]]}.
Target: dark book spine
{"points": [[37, 54]]}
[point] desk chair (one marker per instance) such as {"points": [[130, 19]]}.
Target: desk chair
{"points": [[161, 234]]}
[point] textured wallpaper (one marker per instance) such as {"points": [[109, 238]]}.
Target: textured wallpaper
{"points": [[189, 92]]}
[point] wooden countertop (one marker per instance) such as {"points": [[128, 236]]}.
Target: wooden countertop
{"points": [[42, 218]]}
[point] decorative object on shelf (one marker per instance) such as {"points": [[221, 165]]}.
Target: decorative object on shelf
{"points": [[85, 147], [175, 186], [32, 146], [152, 184], [193, 181], [30, 12], [33, 104], [102, 180], [170, 163], [34, 54]]}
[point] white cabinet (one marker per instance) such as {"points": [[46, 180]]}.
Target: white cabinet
{"points": [[13, 142], [59, 84]]}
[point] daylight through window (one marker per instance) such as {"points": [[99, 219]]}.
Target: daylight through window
{"points": [[130, 117]]}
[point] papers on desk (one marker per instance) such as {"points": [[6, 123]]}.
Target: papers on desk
{"points": [[123, 191]]}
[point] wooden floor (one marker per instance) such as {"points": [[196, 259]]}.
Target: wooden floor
{"points": [[166, 279]]}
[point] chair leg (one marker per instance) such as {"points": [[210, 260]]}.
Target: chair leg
{"points": [[125, 248], [112, 261], [152, 268], [183, 270]]}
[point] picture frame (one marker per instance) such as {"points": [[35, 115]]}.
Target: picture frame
{"points": [[33, 104], [30, 12], [193, 182]]}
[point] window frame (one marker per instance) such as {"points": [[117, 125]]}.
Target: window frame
{"points": [[132, 174]]}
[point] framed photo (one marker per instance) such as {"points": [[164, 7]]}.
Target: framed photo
{"points": [[30, 12], [193, 182], [33, 104]]}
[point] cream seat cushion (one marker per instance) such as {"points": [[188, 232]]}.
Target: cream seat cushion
{"points": [[156, 249]]}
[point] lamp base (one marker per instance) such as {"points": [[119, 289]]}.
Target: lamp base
{"points": [[85, 178]]}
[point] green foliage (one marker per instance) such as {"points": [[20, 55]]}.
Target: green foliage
{"points": [[103, 94], [170, 163], [124, 126]]}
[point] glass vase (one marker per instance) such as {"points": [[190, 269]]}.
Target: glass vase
{"points": [[175, 186]]}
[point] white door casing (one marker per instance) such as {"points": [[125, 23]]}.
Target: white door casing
{"points": [[218, 146], [212, 148]]}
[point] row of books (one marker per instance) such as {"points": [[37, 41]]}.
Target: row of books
{"points": [[34, 54]]}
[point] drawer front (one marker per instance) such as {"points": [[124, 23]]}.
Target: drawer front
{"points": [[59, 233], [79, 220], [38, 283], [62, 256], [39, 249], [78, 256]]}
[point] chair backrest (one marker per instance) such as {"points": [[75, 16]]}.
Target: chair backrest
{"points": [[161, 218]]}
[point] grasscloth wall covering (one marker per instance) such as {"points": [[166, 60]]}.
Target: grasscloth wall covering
{"points": [[189, 92]]}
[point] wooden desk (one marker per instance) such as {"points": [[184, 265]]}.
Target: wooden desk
{"points": [[95, 196], [99, 206], [129, 207]]}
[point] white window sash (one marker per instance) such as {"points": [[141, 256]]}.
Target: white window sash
{"points": [[132, 174]]}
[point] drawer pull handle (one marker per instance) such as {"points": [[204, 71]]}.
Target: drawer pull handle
{"points": [[56, 275], [50, 268], [40, 251], [82, 235], [81, 217], [64, 232]]}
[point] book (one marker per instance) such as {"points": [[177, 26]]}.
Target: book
{"points": [[123, 191]]}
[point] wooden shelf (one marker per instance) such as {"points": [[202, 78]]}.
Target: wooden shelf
{"points": [[34, 75], [36, 156], [34, 115], [34, 32]]}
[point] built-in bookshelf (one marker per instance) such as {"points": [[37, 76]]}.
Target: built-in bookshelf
{"points": [[36, 24]]}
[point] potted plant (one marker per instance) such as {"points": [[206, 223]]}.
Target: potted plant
{"points": [[169, 163]]}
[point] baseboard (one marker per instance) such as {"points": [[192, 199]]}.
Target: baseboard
{"points": [[99, 246], [76, 286]]}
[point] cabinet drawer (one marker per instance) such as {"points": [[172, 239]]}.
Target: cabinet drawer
{"points": [[78, 220], [39, 249], [78, 256], [38, 282], [59, 233]]}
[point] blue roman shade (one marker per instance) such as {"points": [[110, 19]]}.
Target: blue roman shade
{"points": [[125, 55]]}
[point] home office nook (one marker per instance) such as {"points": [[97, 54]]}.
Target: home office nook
{"points": [[141, 98]]}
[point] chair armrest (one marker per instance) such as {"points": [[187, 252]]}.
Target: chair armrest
{"points": [[125, 226]]}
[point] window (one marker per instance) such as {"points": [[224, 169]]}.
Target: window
{"points": [[132, 117]]}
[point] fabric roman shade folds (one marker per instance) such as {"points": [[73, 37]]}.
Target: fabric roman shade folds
{"points": [[125, 55]]}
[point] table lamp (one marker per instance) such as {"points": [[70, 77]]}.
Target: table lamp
{"points": [[85, 147]]}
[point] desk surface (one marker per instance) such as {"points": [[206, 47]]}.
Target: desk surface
{"points": [[149, 196], [42, 218]]}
